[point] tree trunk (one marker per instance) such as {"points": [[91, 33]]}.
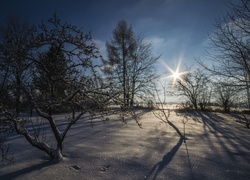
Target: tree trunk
{"points": [[18, 95], [132, 93], [57, 154], [195, 104], [124, 84], [248, 95], [226, 106], [132, 101], [51, 98], [17, 105]]}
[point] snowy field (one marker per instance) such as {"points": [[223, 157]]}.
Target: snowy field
{"points": [[217, 147]]}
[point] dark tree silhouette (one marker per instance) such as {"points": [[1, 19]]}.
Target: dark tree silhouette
{"points": [[64, 72], [16, 44], [119, 51], [225, 95], [52, 75], [129, 65], [192, 86], [230, 51], [141, 71]]}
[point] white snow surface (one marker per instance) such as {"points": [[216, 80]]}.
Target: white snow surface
{"points": [[217, 147]]}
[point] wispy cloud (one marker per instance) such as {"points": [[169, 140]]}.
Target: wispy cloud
{"points": [[101, 45], [157, 42]]}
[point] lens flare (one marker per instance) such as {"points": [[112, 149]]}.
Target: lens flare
{"points": [[175, 74]]}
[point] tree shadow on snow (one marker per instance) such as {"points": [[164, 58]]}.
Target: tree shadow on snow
{"points": [[166, 159], [30, 169]]}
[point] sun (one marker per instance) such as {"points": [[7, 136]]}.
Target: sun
{"points": [[175, 74]]}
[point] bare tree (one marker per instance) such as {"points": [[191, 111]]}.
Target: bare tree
{"points": [[225, 94], [230, 50], [162, 111], [119, 51], [192, 86], [129, 65], [16, 42], [205, 97], [6, 127], [82, 89], [142, 72]]}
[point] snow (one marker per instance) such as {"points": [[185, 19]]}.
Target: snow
{"points": [[216, 148]]}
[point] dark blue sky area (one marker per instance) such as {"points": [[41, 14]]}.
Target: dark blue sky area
{"points": [[176, 28]]}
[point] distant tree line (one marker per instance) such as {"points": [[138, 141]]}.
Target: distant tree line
{"points": [[199, 91]]}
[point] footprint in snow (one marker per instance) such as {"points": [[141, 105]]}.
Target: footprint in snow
{"points": [[104, 168], [75, 167]]}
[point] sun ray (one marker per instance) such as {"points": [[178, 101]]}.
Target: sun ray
{"points": [[175, 74]]}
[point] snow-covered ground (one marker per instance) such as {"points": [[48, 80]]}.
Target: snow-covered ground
{"points": [[216, 148]]}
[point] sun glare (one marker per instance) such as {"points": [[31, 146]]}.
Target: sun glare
{"points": [[175, 74]]}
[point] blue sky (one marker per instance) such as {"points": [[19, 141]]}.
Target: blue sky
{"points": [[176, 28]]}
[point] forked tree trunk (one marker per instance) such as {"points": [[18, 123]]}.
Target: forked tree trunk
{"points": [[53, 153], [57, 154]]}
